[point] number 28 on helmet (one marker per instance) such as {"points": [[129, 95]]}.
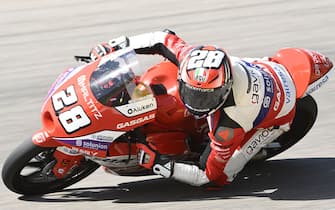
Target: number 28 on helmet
{"points": [[205, 80]]}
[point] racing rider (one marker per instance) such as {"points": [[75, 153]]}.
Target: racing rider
{"points": [[248, 103]]}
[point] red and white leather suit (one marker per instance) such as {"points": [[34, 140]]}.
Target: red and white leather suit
{"points": [[260, 108]]}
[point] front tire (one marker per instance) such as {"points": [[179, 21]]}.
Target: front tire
{"points": [[28, 170]]}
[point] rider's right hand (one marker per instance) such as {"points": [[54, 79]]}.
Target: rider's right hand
{"points": [[99, 51], [106, 48]]}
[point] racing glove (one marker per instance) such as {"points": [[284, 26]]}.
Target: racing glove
{"points": [[162, 165], [103, 49]]}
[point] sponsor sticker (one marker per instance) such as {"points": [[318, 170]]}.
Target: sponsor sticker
{"points": [[138, 107], [256, 141], [285, 81], [135, 122], [268, 96], [88, 144], [255, 86], [317, 84], [87, 98]]}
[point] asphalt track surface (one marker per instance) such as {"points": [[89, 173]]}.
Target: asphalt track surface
{"points": [[39, 38]]}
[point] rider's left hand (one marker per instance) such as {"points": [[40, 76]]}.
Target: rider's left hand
{"points": [[151, 159]]}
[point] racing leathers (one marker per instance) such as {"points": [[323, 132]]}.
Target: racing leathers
{"points": [[259, 108]]}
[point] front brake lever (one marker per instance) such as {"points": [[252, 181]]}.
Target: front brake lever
{"points": [[84, 59]]}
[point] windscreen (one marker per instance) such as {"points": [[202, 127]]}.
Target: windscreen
{"points": [[113, 83]]}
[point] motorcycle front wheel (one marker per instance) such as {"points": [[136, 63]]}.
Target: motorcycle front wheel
{"points": [[28, 170]]}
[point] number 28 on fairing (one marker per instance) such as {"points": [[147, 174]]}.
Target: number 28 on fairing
{"points": [[73, 119]]}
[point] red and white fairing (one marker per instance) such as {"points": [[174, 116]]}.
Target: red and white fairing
{"points": [[78, 121]]}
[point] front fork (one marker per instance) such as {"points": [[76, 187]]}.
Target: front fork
{"points": [[66, 161]]}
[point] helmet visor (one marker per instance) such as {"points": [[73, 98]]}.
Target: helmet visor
{"points": [[201, 101]]}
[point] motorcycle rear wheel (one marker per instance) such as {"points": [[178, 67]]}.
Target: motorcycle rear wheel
{"points": [[306, 113], [28, 170]]}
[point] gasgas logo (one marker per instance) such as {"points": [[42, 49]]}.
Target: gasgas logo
{"points": [[255, 87], [135, 122]]}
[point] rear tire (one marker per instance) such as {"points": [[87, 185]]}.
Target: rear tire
{"points": [[306, 113], [28, 156]]}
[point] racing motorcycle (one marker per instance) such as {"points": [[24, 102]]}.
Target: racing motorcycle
{"points": [[99, 113]]}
